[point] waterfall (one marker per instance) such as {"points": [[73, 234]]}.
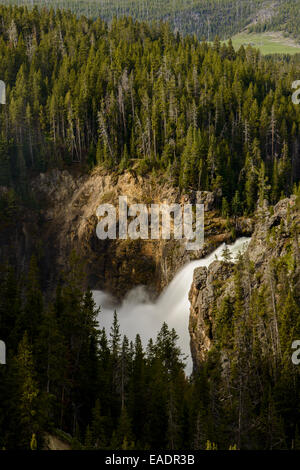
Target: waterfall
{"points": [[138, 314]]}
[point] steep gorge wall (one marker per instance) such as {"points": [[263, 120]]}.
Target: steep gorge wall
{"points": [[65, 220], [275, 238]]}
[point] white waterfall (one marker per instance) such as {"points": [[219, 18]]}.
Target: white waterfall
{"points": [[138, 314]]}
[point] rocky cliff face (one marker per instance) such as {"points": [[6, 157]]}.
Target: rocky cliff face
{"points": [[69, 220], [276, 236], [64, 219], [202, 296]]}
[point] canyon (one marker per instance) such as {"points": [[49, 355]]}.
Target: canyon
{"points": [[123, 273], [147, 281], [61, 218]]}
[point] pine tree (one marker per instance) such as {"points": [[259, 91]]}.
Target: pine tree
{"points": [[226, 254], [28, 399]]}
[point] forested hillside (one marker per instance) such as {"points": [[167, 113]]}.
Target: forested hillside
{"points": [[285, 19], [206, 117], [205, 18]]}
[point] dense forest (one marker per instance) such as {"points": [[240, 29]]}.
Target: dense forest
{"points": [[130, 96], [204, 18], [134, 96]]}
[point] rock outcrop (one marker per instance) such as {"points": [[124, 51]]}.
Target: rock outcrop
{"points": [[202, 295], [276, 232]]}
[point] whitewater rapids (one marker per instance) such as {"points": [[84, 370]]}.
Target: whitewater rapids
{"points": [[138, 314]]}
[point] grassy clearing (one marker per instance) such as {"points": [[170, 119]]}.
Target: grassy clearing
{"points": [[267, 43]]}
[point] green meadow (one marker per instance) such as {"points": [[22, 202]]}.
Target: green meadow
{"points": [[267, 43]]}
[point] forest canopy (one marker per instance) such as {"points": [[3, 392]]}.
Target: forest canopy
{"points": [[133, 96], [82, 92], [204, 18]]}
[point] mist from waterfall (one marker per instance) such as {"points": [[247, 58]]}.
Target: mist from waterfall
{"points": [[139, 314]]}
